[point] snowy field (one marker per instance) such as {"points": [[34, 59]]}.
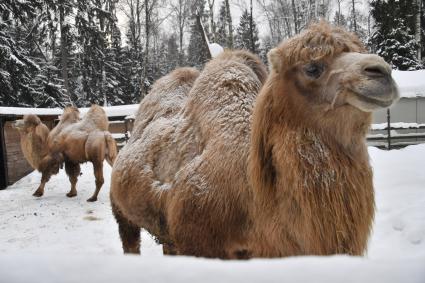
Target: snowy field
{"points": [[57, 239]]}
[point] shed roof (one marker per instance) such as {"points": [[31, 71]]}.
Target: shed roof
{"points": [[111, 111]]}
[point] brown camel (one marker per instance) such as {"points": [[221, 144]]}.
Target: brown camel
{"points": [[232, 174], [72, 141]]}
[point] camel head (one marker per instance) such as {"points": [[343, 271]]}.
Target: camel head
{"points": [[325, 68], [27, 124], [33, 139]]}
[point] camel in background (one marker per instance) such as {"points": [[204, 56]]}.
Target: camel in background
{"points": [[230, 171], [72, 141]]}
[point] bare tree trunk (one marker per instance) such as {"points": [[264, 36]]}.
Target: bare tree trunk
{"points": [[418, 29], [230, 25], [181, 11], [146, 59], [338, 19], [251, 29], [64, 53], [288, 27], [212, 23], [354, 15], [294, 13], [181, 31], [369, 22]]}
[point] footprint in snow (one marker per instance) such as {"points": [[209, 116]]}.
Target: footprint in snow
{"points": [[92, 218], [398, 224], [415, 237]]}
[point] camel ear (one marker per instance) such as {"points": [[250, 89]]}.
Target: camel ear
{"points": [[275, 60]]}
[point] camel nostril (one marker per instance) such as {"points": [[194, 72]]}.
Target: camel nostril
{"points": [[376, 71]]}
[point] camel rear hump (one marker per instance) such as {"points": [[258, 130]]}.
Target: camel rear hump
{"points": [[96, 117], [166, 98]]}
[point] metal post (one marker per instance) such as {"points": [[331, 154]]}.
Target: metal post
{"points": [[126, 130], [389, 128]]}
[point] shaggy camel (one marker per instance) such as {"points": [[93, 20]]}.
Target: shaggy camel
{"points": [[72, 141], [224, 172]]}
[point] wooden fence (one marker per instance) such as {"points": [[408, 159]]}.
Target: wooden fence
{"points": [[391, 137]]}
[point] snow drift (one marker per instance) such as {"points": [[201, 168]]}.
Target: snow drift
{"points": [[56, 239]]}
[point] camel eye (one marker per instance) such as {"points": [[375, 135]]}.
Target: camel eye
{"points": [[314, 70]]}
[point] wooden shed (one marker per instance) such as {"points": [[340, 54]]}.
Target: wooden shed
{"points": [[14, 166]]}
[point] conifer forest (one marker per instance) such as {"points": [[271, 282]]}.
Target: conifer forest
{"points": [[55, 53]]}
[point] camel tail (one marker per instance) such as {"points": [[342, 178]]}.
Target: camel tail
{"points": [[111, 146]]}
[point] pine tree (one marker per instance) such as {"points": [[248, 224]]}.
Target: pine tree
{"points": [[340, 20], [398, 47], [94, 23], [221, 25], [172, 55], [23, 81], [247, 34], [395, 28], [198, 52], [267, 45], [113, 69]]}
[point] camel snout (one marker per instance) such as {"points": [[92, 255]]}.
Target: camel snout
{"points": [[369, 80], [374, 66], [19, 124], [377, 70]]}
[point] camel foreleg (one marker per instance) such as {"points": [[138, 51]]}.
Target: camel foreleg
{"points": [[73, 171], [129, 233], [45, 177], [48, 166]]}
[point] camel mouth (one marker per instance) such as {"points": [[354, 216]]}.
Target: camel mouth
{"points": [[374, 96], [374, 101]]}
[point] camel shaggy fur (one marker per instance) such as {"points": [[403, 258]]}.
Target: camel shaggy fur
{"points": [[227, 173], [72, 141]]}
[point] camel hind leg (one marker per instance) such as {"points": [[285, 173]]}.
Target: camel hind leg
{"points": [[129, 233], [111, 149], [73, 171], [98, 174]]}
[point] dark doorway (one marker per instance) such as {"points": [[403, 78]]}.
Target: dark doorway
{"points": [[3, 169]]}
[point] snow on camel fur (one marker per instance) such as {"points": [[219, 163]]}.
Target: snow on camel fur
{"points": [[72, 141], [233, 174]]}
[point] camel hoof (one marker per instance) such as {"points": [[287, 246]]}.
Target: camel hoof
{"points": [[92, 199], [37, 193], [71, 194]]}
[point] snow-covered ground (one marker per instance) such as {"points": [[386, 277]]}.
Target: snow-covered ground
{"points": [[57, 239]]}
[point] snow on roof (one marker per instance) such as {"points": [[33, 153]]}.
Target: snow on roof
{"points": [[410, 83], [111, 111], [35, 111]]}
